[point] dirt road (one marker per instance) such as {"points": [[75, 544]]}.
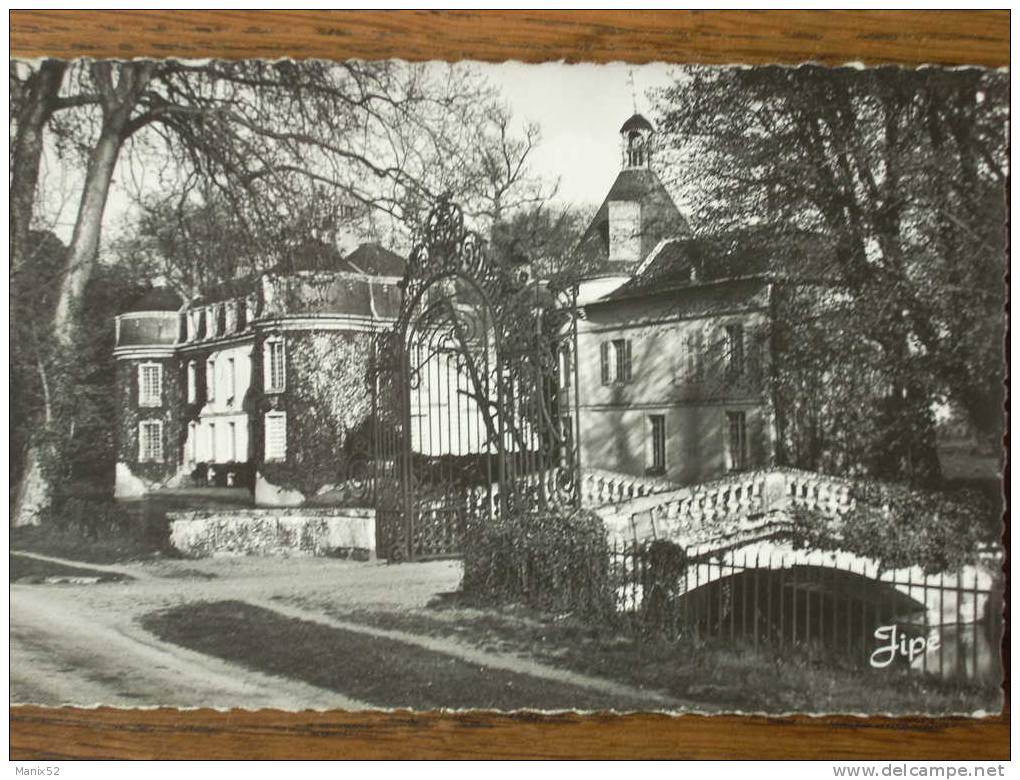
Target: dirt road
{"points": [[82, 645], [88, 644]]}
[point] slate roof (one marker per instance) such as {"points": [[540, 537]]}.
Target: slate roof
{"points": [[682, 262], [368, 258], [659, 217], [372, 258], [312, 255]]}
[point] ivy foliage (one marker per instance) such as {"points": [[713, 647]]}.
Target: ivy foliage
{"points": [[63, 401], [939, 532], [328, 404], [556, 561]]}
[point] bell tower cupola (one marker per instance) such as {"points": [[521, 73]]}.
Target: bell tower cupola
{"points": [[638, 141]]}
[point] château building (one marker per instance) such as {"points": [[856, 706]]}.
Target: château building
{"points": [[263, 385], [671, 361]]}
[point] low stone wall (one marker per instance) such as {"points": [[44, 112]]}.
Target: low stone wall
{"points": [[341, 533]]}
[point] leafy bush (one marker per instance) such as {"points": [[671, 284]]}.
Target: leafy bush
{"points": [[900, 526], [663, 566], [553, 561], [85, 510]]}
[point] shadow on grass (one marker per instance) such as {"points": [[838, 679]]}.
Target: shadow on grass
{"points": [[720, 674], [382, 672]]}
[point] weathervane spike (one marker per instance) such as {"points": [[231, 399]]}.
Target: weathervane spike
{"points": [[633, 89]]}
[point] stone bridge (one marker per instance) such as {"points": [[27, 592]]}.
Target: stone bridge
{"points": [[748, 517]]}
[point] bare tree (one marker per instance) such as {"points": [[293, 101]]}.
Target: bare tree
{"points": [[262, 136]]}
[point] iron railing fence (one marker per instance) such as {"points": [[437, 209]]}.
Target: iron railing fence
{"points": [[827, 606]]}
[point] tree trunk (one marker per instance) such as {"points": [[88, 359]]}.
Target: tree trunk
{"points": [[118, 101], [81, 254], [40, 101], [33, 493]]}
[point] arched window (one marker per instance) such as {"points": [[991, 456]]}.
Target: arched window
{"points": [[635, 150]]}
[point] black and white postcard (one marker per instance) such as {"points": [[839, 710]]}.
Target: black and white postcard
{"points": [[448, 386]]}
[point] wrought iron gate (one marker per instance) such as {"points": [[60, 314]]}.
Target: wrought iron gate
{"points": [[473, 395]]}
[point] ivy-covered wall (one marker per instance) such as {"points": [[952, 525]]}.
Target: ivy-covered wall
{"points": [[328, 401], [131, 414]]}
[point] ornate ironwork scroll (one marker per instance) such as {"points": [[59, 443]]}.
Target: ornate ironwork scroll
{"points": [[473, 388]]}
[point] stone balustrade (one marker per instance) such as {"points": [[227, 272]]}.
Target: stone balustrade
{"points": [[733, 506], [600, 488]]}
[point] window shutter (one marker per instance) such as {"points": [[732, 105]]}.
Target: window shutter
{"points": [[276, 436], [605, 362], [626, 361]]}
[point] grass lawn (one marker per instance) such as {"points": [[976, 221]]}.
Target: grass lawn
{"points": [[104, 549], [25, 568], [715, 674], [382, 672]]}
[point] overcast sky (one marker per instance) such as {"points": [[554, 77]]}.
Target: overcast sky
{"points": [[579, 108]]}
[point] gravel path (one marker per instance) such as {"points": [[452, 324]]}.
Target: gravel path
{"points": [[83, 645]]}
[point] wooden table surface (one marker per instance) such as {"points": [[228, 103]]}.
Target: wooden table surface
{"points": [[872, 37]]}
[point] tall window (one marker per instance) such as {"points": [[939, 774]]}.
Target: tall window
{"points": [[688, 361], [656, 444], [735, 350], [192, 382], [275, 365], [192, 450], [211, 446], [210, 379], [150, 384], [232, 443], [276, 436], [736, 449], [231, 379], [616, 361], [150, 441]]}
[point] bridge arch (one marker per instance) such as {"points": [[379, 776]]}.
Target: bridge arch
{"points": [[836, 603]]}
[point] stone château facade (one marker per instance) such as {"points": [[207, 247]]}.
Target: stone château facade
{"points": [[671, 350], [264, 386]]}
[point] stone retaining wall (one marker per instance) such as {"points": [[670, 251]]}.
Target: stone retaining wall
{"points": [[342, 533]]}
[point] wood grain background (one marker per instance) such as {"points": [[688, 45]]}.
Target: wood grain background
{"points": [[873, 37]]}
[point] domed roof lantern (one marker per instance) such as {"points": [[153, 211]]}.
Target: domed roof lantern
{"points": [[637, 134], [637, 122]]}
